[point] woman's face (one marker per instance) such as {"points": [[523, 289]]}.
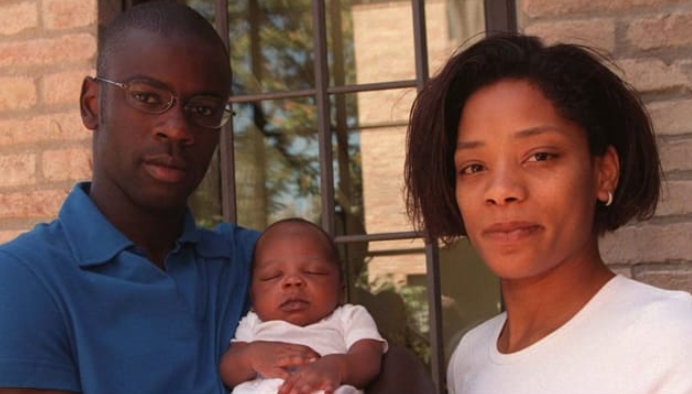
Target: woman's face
{"points": [[526, 184]]}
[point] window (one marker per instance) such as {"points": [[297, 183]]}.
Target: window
{"points": [[322, 91]]}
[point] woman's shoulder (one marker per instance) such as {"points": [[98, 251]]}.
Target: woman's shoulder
{"points": [[656, 311], [645, 295]]}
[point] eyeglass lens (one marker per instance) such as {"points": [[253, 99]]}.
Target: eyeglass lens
{"points": [[205, 111]]}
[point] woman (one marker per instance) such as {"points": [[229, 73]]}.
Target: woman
{"points": [[533, 152]]}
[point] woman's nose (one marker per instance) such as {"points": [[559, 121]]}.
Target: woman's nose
{"points": [[505, 185]]}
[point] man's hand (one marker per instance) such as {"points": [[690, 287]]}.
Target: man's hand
{"points": [[243, 361], [274, 359], [323, 374]]}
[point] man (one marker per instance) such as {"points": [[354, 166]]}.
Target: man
{"points": [[122, 293]]}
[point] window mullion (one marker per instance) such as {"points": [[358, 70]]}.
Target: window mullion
{"points": [[323, 118]]}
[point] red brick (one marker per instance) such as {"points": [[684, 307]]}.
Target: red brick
{"points": [[597, 33], [46, 51], [63, 87], [67, 164], [653, 75], [67, 14], [545, 8], [667, 30], [18, 17], [33, 204], [54, 127], [17, 93], [18, 169]]}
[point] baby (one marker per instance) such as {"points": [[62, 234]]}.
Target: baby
{"points": [[299, 337]]}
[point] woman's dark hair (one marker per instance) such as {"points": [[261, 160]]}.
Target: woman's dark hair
{"points": [[575, 80]]}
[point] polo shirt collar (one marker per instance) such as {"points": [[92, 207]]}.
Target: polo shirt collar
{"points": [[94, 240]]}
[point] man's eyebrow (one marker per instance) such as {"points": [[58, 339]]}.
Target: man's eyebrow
{"points": [[530, 132]]}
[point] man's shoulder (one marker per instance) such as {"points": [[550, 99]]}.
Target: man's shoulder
{"points": [[234, 232], [46, 239]]}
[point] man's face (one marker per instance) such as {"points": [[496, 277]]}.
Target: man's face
{"points": [[156, 161]]}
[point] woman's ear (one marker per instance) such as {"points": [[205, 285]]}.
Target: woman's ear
{"points": [[89, 103], [607, 174]]}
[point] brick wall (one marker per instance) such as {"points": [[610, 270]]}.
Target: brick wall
{"points": [[46, 48], [651, 42]]}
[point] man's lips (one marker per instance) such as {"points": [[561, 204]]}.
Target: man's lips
{"points": [[165, 168]]}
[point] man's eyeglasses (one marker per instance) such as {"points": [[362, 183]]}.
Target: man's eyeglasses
{"points": [[206, 111]]}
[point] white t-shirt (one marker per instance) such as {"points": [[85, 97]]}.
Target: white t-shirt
{"points": [[629, 338], [334, 334]]}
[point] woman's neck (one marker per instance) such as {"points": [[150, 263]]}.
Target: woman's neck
{"points": [[538, 306]]}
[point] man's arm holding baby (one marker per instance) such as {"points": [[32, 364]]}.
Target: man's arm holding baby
{"points": [[358, 367]]}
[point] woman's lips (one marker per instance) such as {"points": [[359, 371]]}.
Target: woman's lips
{"points": [[511, 231]]}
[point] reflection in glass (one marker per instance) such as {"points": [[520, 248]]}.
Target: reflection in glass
{"points": [[375, 38], [368, 176], [388, 278], [278, 174], [271, 45], [470, 292]]}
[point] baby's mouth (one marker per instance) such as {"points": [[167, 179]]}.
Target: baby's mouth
{"points": [[294, 304]]}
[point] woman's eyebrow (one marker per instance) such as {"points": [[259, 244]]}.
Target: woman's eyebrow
{"points": [[526, 133]]}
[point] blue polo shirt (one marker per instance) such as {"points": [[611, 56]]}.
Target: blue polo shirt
{"points": [[83, 310]]}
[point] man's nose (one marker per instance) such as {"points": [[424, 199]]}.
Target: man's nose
{"points": [[174, 125]]}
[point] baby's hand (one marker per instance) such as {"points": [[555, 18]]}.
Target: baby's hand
{"points": [[272, 359], [323, 374]]}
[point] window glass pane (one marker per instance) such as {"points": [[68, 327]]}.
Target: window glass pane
{"points": [[376, 40], [368, 174], [277, 161], [388, 278], [450, 23], [470, 292], [271, 45]]}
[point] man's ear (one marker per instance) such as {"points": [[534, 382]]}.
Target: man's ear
{"points": [[608, 173], [89, 103]]}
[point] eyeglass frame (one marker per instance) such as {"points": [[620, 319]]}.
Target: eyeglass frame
{"points": [[227, 109]]}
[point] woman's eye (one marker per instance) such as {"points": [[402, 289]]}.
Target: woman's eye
{"points": [[542, 156], [471, 169]]}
